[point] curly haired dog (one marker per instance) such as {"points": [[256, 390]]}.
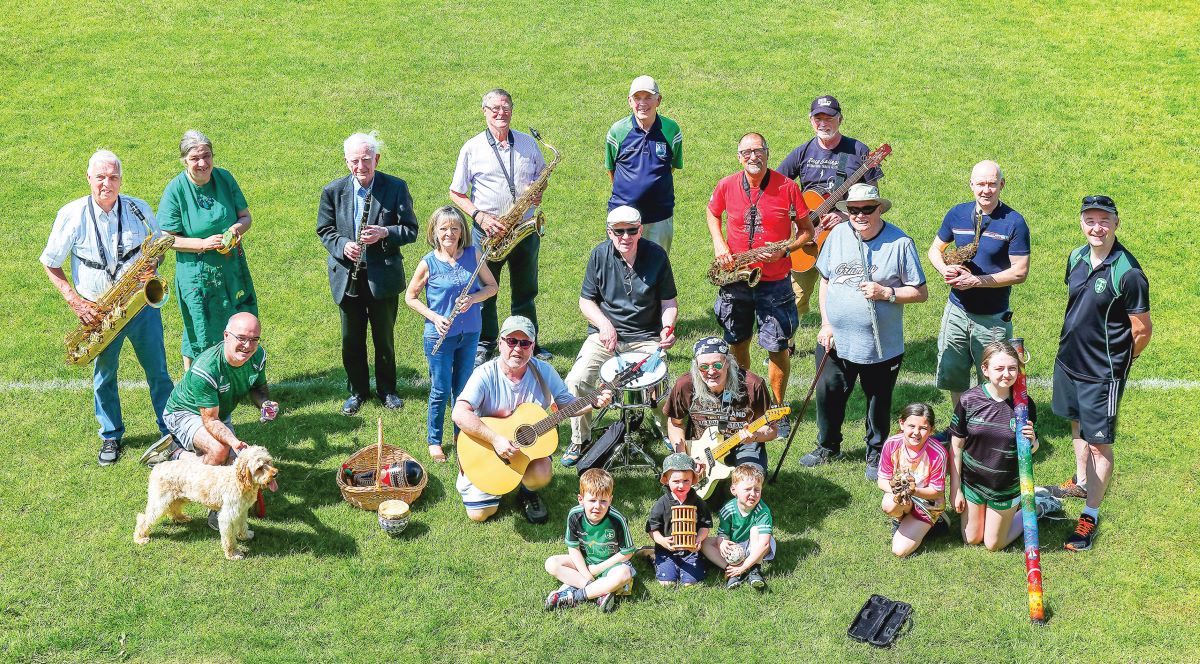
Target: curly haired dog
{"points": [[229, 490]]}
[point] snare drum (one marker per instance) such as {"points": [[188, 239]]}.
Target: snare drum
{"points": [[643, 392]]}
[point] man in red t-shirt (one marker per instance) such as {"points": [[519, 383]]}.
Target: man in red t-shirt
{"points": [[762, 207]]}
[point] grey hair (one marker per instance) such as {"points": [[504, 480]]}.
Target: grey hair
{"points": [[103, 156], [703, 399], [191, 140], [369, 139], [496, 92], [987, 162]]}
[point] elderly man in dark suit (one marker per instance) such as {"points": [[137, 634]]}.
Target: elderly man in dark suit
{"points": [[374, 296]]}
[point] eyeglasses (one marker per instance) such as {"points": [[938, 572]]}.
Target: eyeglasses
{"points": [[626, 231], [245, 341], [499, 109], [514, 343], [715, 365], [866, 209], [746, 154], [1100, 199]]}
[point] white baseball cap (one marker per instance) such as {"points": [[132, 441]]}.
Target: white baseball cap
{"points": [[643, 84]]}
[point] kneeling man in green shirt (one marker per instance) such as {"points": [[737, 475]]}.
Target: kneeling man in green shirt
{"points": [[199, 409]]}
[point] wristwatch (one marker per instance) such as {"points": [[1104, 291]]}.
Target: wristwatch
{"points": [[892, 294], [475, 214]]}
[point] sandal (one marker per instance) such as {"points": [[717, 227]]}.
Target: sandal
{"points": [[436, 453]]}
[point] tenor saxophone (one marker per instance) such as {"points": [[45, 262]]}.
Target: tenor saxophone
{"points": [[516, 228], [740, 270], [123, 300]]}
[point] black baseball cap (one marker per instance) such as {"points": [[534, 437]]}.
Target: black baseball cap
{"points": [[1098, 202], [825, 104]]}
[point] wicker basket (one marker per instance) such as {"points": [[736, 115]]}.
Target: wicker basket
{"points": [[374, 457]]}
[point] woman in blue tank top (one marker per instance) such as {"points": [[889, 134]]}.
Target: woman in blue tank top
{"points": [[443, 274]]}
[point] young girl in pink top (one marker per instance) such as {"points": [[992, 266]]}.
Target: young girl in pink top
{"points": [[910, 453]]}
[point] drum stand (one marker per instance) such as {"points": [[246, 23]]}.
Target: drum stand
{"points": [[639, 419]]}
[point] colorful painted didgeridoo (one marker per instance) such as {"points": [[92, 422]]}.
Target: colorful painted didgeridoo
{"points": [[1033, 560]]}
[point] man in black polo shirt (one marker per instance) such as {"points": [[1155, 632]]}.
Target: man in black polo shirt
{"points": [[1107, 325], [628, 298]]}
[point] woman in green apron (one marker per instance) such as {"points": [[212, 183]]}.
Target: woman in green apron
{"points": [[204, 209]]}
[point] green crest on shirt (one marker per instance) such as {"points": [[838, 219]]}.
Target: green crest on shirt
{"points": [[1101, 284], [1012, 424]]}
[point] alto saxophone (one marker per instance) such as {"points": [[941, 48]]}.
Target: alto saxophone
{"points": [[352, 290], [953, 255], [740, 270], [516, 227], [124, 299]]}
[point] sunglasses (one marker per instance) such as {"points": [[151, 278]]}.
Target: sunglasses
{"points": [[866, 209], [715, 365], [1101, 200], [514, 343], [625, 231]]}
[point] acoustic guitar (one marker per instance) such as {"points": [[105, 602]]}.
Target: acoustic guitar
{"points": [[820, 204], [710, 449], [533, 431]]}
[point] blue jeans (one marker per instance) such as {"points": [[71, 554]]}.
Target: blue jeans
{"points": [[145, 334], [448, 374]]}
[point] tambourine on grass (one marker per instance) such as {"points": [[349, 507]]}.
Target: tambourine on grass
{"points": [[372, 458]]}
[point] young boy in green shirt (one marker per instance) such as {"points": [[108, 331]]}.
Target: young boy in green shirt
{"points": [[599, 546], [744, 540]]}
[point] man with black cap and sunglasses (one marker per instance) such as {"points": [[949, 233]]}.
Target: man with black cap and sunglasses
{"points": [[1106, 327], [822, 164]]}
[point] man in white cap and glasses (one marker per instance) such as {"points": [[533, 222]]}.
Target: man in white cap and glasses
{"points": [[628, 299], [495, 389], [641, 151], [869, 269], [821, 165]]}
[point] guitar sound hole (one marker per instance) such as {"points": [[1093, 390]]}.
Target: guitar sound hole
{"points": [[525, 436]]}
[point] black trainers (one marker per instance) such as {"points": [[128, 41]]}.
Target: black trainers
{"points": [[1068, 489], [872, 472], [483, 351], [534, 508], [110, 451], [755, 578], [1085, 532], [733, 582], [819, 456]]}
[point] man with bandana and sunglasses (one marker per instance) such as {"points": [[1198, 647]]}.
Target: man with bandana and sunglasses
{"points": [[495, 389], [716, 392], [1105, 328], [761, 206], [628, 299]]}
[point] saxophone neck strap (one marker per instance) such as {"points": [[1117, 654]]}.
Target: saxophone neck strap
{"points": [[512, 152], [119, 254], [752, 217]]}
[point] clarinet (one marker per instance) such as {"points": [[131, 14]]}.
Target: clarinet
{"points": [[352, 291]]}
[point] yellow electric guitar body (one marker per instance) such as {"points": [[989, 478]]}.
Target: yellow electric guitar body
{"points": [[710, 449]]}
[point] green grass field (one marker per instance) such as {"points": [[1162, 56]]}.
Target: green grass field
{"points": [[1096, 98]]}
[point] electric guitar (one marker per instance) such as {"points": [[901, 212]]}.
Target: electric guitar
{"points": [[820, 204], [532, 430], [710, 449]]}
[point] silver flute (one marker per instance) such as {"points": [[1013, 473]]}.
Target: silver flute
{"points": [[862, 253]]}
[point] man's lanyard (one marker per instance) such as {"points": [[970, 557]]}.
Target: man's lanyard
{"points": [[512, 149], [751, 218], [120, 251]]}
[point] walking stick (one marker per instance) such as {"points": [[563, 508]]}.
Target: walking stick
{"points": [[1033, 562], [795, 427]]}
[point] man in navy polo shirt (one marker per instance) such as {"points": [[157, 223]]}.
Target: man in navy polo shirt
{"points": [[640, 153], [978, 312], [1106, 327], [822, 165]]}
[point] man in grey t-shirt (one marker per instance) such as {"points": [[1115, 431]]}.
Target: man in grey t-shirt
{"points": [[869, 270]]}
